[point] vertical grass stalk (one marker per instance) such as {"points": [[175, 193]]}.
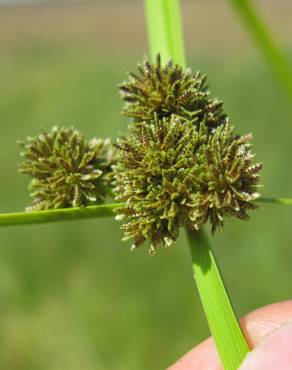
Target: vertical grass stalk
{"points": [[266, 43], [163, 16], [222, 321], [165, 30]]}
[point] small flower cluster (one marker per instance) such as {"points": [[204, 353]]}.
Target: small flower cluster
{"points": [[181, 163], [168, 90], [66, 170]]}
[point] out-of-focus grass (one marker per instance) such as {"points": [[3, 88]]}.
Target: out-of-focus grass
{"points": [[72, 296]]}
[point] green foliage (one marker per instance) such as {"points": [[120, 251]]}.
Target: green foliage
{"points": [[60, 282], [167, 90], [66, 170]]}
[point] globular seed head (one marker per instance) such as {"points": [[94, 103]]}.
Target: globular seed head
{"points": [[66, 169], [147, 178], [171, 173], [227, 178], [166, 90]]}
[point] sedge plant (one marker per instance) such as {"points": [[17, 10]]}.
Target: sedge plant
{"points": [[179, 165]]}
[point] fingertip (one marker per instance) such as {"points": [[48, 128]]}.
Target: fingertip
{"points": [[274, 352], [256, 326], [204, 356], [262, 321]]}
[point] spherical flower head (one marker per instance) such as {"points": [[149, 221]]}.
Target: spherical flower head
{"points": [[166, 90], [227, 179], [66, 170], [171, 173]]}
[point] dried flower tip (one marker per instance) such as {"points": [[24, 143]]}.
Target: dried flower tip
{"points": [[66, 170], [167, 90], [171, 173]]}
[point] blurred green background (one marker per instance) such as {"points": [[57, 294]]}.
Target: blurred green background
{"points": [[72, 296]]}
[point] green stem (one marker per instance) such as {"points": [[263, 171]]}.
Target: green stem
{"points": [[223, 324], [165, 31], [68, 214], [266, 43], [159, 42], [222, 321], [54, 215], [174, 31], [284, 201]]}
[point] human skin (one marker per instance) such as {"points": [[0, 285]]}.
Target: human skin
{"points": [[268, 331]]}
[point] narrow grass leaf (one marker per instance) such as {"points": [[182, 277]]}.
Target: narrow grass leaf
{"points": [[284, 201], [266, 43], [230, 342], [55, 215], [158, 35]]}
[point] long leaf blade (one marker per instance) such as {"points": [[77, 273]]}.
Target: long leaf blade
{"points": [[55, 215], [266, 43]]}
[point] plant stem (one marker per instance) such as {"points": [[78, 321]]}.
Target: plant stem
{"points": [[174, 31], [67, 214], [53, 215], [158, 39], [223, 324], [266, 43], [284, 201], [165, 31], [222, 321]]}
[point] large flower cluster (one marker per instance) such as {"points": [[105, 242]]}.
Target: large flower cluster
{"points": [[181, 164]]}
